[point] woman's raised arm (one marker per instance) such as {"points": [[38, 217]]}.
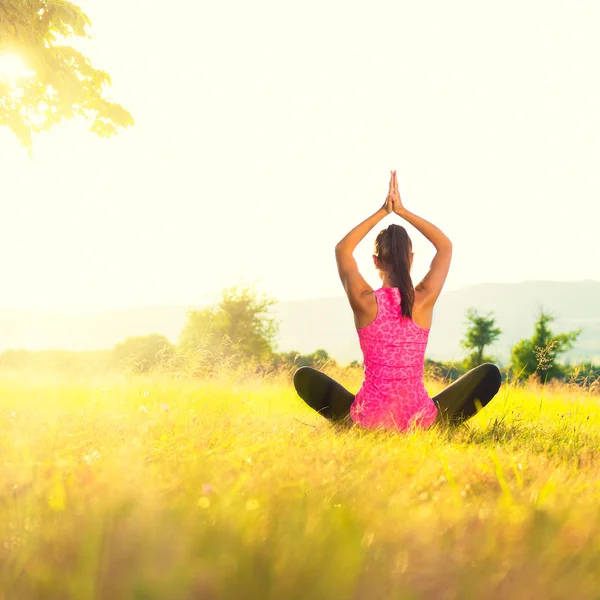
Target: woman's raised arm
{"points": [[431, 285]]}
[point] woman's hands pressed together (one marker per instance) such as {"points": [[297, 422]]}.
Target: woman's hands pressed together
{"points": [[396, 200], [388, 204], [393, 202]]}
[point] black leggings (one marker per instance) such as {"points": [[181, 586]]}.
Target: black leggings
{"points": [[459, 401]]}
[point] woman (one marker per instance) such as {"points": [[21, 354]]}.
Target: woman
{"points": [[393, 324]]}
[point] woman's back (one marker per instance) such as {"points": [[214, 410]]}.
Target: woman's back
{"points": [[393, 346]]}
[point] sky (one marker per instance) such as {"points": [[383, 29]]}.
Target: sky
{"points": [[265, 131]]}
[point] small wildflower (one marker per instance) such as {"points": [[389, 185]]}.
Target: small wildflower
{"points": [[207, 489], [165, 407]]}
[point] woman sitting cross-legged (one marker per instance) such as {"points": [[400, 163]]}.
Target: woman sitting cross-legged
{"points": [[393, 324]]}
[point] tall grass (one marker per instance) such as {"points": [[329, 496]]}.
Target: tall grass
{"points": [[164, 486]]}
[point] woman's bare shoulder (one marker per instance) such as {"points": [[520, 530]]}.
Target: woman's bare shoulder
{"points": [[367, 312], [422, 313]]}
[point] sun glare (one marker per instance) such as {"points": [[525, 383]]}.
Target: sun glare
{"points": [[13, 68]]}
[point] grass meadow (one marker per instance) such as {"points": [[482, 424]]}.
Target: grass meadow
{"points": [[159, 486]]}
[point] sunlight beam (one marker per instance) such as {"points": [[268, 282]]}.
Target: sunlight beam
{"points": [[12, 68]]}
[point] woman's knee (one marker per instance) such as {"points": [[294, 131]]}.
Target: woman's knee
{"points": [[299, 373], [303, 373], [493, 373]]}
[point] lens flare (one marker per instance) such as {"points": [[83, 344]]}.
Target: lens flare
{"points": [[12, 68]]}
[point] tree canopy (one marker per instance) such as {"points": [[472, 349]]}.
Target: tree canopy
{"points": [[538, 354], [64, 83], [481, 333], [239, 324]]}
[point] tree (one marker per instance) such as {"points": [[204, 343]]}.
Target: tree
{"points": [[64, 84], [203, 329], [538, 354], [481, 333], [141, 353], [239, 324]]}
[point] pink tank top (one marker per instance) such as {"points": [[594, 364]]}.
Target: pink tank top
{"points": [[392, 394]]}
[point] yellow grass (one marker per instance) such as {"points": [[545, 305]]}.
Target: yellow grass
{"points": [[156, 487]]}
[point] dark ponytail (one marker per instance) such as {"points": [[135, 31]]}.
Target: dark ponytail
{"points": [[393, 248]]}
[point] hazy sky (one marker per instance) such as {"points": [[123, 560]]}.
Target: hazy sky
{"points": [[266, 130]]}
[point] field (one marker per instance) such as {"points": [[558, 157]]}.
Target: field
{"points": [[162, 487]]}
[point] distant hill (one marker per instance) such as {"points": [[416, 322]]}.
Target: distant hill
{"points": [[307, 325], [516, 307]]}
